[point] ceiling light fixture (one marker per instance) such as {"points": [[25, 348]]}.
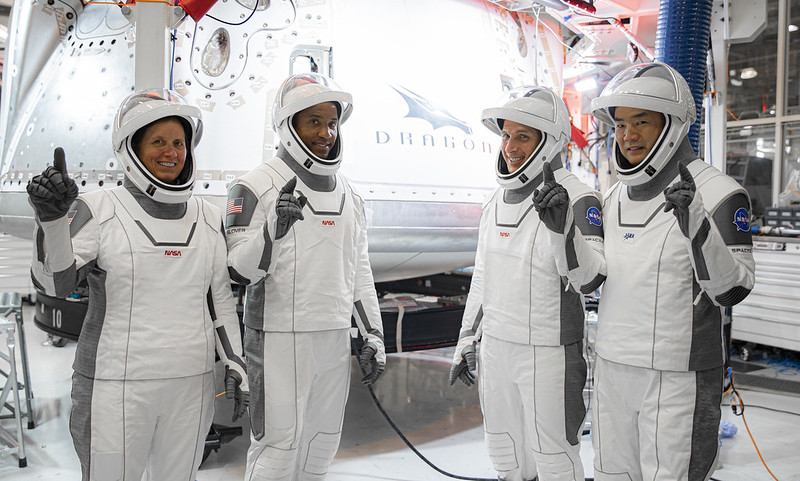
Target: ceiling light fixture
{"points": [[588, 83], [749, 73]]}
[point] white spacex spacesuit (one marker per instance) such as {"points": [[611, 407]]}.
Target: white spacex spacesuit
{"points": [[658, 381], [528, 317], [303, 285], [159, 303]]}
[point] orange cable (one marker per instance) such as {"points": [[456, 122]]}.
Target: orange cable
{"points": [[741, 413], [757, 450], [734, 117]]}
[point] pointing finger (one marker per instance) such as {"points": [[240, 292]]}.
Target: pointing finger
{"points": [[686, 176], [547, 171], [60, 161], [289, 187]]}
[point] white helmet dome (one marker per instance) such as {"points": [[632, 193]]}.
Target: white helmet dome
{"points": [[298, 93], [649, 86], [536, 107], [139, 110]]}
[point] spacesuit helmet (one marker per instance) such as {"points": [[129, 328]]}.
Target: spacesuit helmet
{"points": [[298, 93], [137, 112], [656, 87], [536, 107]]}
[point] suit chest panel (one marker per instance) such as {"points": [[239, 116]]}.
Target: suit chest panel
{"points": [[515, 239], [147, 249], [643, 242]]}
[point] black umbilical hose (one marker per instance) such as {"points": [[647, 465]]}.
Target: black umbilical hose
{"points": [[404, 438]]}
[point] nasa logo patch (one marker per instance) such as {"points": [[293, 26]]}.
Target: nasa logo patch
{"points": [[742, 219], [594, 216]]}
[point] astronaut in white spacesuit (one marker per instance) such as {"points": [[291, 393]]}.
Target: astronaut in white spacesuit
{"points": [[529, 318], [160, 300], [303, 256], [677, 250]]}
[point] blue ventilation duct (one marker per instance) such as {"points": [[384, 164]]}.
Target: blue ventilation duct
{"points": [[682, 37]]}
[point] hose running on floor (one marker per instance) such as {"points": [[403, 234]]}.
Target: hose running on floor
{"points": [[405, 439]]}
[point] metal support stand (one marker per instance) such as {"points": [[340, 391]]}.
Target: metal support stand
{"points": [[11, 304], [10, 323]]}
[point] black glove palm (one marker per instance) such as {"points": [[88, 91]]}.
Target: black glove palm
{"points": [[372, 368], [289, 208], [679, 195], [551, 202], [232, 391], [463, 369], [52, 192]]}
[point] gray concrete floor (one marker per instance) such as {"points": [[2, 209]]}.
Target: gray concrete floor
{"points": [[443, 422]]}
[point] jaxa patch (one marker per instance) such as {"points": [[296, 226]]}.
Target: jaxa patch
{"points": [[628, 238], [594, 216], [71, 215], [742, 219]]}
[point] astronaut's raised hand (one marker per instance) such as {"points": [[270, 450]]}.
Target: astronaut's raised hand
{"points": [[463, 369], [372, 362], [551, 202], [289, 208], [52, 192], [234, 389], [679, 196]]}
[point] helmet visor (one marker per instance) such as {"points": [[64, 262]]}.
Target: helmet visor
{"points": [[650, 86], [146, 96], [301, 91]]}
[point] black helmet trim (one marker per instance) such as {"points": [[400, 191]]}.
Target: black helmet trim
{"points": [[158, 183], [502, 167], [644, 163], [313, 157]]}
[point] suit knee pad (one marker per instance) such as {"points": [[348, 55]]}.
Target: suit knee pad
{"points": [[501, 451], [601, 476], [273, 464], [321, 451], [107, 466], [558, 466]]}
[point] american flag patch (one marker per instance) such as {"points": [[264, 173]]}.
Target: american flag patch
{"points": [[71, 215], [235, 206]]}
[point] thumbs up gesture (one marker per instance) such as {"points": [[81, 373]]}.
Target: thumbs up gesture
{"points": [[551, 201], [52, 192]]}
